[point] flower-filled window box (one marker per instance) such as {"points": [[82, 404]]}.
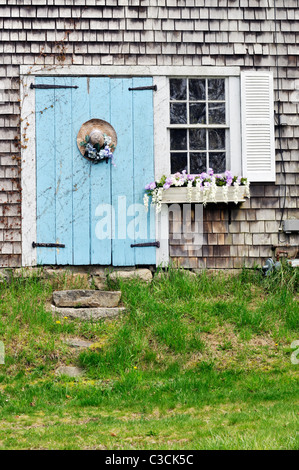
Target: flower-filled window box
{"points": [[203, 189]]}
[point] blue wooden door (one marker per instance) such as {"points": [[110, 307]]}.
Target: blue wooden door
{"points": [[95, 210]]}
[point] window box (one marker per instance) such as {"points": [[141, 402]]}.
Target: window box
{"points": [[180, 195]]}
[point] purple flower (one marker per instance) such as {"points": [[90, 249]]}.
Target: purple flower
{"points": [[190, 177], [168, 183], [210, 172], [229, 177], [150, 186], [108, 152], [203, 176]]}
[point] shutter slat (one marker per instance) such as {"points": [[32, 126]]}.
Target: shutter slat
{"points": [[258, 143]]}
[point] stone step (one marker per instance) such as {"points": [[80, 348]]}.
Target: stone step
{"points": [[86, 298], [89, 313]]}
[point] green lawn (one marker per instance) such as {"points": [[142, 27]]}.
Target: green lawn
{"points": [[196, 362]]}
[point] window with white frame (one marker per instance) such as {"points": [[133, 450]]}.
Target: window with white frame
{"points": [[198, 124]]}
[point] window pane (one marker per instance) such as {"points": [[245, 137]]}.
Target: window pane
{"points": [[216, 89], [216, 113], [217, 162], [198, 163], [197, 139], [178, 139], [217, 139], [197, 113], [197, 89], [178, 89], [178, 113], [178, 162]]}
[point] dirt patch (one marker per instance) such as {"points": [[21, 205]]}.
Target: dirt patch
{"points": [[225, 349], [262, 341]]}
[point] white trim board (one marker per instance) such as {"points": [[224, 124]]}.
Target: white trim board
{"points": [[162, 164], [28, 174], [125, 70]]}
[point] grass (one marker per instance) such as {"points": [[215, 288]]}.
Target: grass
{"points": [[197, 362]]}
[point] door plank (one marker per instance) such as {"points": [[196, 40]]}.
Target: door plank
{"points": [[45, 171], [100, 179], [143, 167], [81, 177], [64, 170], [122, 175]]}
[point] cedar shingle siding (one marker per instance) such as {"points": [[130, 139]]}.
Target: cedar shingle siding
{"points": [[159, 32]]}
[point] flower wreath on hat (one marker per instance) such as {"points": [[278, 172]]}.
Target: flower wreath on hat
{"points": [[96, 152], [94, 143]]}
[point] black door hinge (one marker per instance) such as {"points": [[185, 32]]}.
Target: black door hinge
{"points": [[49, 87], [47, 245], [143, 245], [140, 88]]}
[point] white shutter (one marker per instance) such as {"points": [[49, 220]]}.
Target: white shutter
{"points": [[258, 140]]}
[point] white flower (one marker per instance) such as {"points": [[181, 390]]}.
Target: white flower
{"points": [[154, 196], [198, 189], [157, 199], [189, 191], [107, 139], [225, 193], [213, 190], [206, 193]]}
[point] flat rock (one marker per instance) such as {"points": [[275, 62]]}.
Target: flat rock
{"points": [[78, 343], [143, 274], [87, 313], [70, 371], [99, 282], [4, 276], [86, 298]]}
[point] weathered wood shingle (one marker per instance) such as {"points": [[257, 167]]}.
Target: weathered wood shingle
{"points": [[156, 32]]}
